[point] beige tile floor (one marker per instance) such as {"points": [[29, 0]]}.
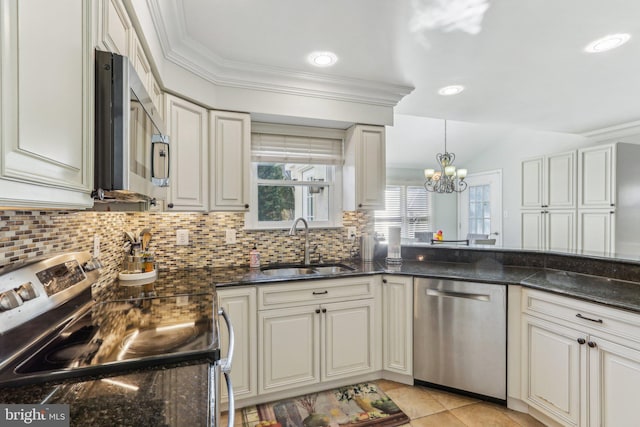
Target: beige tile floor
{"points": [[428, 407]]}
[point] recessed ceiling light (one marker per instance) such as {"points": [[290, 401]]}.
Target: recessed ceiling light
{"points": [[609, 42], [322, 59], [451, 90]]}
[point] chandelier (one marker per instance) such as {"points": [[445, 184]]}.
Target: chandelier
{"points": [[447, 179]]}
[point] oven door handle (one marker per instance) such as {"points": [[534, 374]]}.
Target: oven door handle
{"points": [[225, 363], [231, 404]]}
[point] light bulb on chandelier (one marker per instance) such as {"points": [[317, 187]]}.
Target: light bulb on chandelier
{"points": [[447, 179]]}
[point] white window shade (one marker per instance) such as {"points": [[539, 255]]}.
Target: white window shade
{"points": [[270, 148], [408, 207]]}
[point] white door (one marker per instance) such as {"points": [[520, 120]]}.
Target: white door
{"points": [[480, 206], [559, 229]]}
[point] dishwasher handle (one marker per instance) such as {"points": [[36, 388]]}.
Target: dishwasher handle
{"points": [[225, 364], [454, 294]]}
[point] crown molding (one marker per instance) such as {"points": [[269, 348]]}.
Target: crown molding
{"points": [[614, 132], [178, 48]]}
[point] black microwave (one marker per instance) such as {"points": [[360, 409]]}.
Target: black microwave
{"points": [[131, 146]]}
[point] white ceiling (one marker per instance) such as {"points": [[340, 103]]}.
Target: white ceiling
{"points": [[522, 62]]}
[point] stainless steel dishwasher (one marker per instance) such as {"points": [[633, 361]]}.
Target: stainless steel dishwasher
{"points": [[460, 337]]}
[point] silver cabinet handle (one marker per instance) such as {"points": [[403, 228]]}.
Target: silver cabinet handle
{"points": [[452, 294], [225, 364], [580, 316], [232, 403]]}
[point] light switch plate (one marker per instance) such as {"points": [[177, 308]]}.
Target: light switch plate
{"points": [[230, 236], [182, 237]]}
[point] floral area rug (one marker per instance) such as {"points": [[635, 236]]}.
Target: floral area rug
{"points": [[359, 405]]}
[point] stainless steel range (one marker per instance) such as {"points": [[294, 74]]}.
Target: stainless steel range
{"points": [[51, 330]]}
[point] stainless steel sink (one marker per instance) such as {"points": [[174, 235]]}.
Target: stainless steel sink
{"points": [[289, 270], [331, 269]]}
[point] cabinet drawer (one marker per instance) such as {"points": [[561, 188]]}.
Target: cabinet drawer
{"points": [[310, 292], [588, 316]]}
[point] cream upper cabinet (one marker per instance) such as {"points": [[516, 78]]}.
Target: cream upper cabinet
{"points": [[397, 324], [115, 27], [580, 361], [230, 160], [240, 305], [364, 170], [187, 127], [46, 99], [549, 181], [596, 181]]}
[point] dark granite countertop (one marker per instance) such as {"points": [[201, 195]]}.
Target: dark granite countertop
{"points": [[611, 292]]}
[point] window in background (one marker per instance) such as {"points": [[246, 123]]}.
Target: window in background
{"points": [[407, 207], [480, 209], [295, 176]]}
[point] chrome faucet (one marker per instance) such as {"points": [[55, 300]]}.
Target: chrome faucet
{"points": [[293, 231]]}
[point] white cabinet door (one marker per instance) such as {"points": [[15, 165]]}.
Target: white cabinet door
{"points": [[240, 305], [348, 339], [596, 177], [365, 168], [596, 234], [115, 27], [139, 60], [397, 324], [187, 128], [613, 384], [532, 229], [532, 183], [230, 142], [555, 366], [288, 345], [560, 230], [560, 186], [46, 99]]}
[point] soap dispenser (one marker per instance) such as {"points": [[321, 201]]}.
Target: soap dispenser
{"points": [[254, 257]]}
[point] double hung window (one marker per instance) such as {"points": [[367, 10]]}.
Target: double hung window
{"points": [[295, 172], [407, 207]]}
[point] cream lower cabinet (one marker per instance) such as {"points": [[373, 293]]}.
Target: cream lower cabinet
{"points": [[240, 305], [397, 324], [317, 331], [581, 361]]}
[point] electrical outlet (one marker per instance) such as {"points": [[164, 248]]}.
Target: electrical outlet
{"points": [[351, 233], [182, 237], [96, 246], [230, 236]]}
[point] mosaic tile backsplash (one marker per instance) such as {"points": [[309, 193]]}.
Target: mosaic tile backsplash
{"points": [[25, 235]]}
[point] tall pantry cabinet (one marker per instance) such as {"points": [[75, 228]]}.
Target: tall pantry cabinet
{"points": [[608, 200], [548, 202], [583, 201]]}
